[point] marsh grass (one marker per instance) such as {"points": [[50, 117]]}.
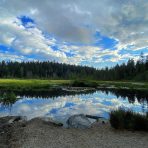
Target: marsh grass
{"points": [[122, 119], [42, 84], [30, 84]]}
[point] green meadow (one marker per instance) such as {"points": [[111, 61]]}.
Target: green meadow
{"points": [[28, 84], [16, 84]]}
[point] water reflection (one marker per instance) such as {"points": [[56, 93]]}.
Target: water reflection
{"points": [[53, 93], [61, 104], [132, 95]]}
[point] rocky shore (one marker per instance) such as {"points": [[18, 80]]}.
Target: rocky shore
{"points": [[16, 132]]}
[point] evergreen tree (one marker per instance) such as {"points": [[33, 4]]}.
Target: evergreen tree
{"points": [[52, 70]]}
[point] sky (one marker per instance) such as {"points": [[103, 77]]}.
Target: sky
{"points": [[82, 32]]}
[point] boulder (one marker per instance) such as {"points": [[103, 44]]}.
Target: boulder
{"points": [[78, 121], [51, 121], [8, 121], [17, 119]]}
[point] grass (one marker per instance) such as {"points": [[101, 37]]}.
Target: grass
{"points": [[35, 84], [16, 84], [122, 119], [124, 84]]}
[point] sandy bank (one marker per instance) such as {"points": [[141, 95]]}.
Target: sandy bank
{"points": [[40, 134]]}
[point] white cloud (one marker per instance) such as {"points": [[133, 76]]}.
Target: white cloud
{"points": [[76, 22], [14, 57]]}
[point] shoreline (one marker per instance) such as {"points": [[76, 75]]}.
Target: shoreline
{"points": [[37, 133]]}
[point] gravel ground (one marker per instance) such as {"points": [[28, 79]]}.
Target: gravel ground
{"points": [[40, 134]]}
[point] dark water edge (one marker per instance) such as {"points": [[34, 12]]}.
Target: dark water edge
{"points": [[60, 103], [132, 95]]}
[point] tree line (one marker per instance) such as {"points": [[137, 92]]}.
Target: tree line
{"points": [[52, 70], [127, 71], [45, 69]]}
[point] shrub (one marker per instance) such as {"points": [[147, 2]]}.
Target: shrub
{"points": [[8, 98], [81, 83], [122, 119]]}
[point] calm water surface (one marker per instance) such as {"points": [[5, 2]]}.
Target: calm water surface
{"points": [[62, 106]]}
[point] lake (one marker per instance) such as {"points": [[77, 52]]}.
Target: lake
{"points": [[60, 105]]}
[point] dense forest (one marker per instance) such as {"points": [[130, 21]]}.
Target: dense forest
{"points": [[52, 70], [127, 71]]}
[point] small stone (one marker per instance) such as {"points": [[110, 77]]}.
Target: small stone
{"points": [[2, 132]]}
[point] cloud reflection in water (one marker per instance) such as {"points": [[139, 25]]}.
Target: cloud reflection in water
{"points": [[61, 108]]}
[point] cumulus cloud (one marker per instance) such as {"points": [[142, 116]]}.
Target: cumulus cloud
{"points": [[74, 22]]}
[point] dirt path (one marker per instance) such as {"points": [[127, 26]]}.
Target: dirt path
{"points": [[40, 134]]}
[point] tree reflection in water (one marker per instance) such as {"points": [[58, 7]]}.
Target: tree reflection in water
{"points": [[9, 98]]}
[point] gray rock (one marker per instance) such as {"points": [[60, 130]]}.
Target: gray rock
{"points": [[78, 121], [7, 122], [17, 119], [50, 120]]}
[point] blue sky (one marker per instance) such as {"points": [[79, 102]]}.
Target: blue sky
{"points": [[98, 34], [25, 20]]}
